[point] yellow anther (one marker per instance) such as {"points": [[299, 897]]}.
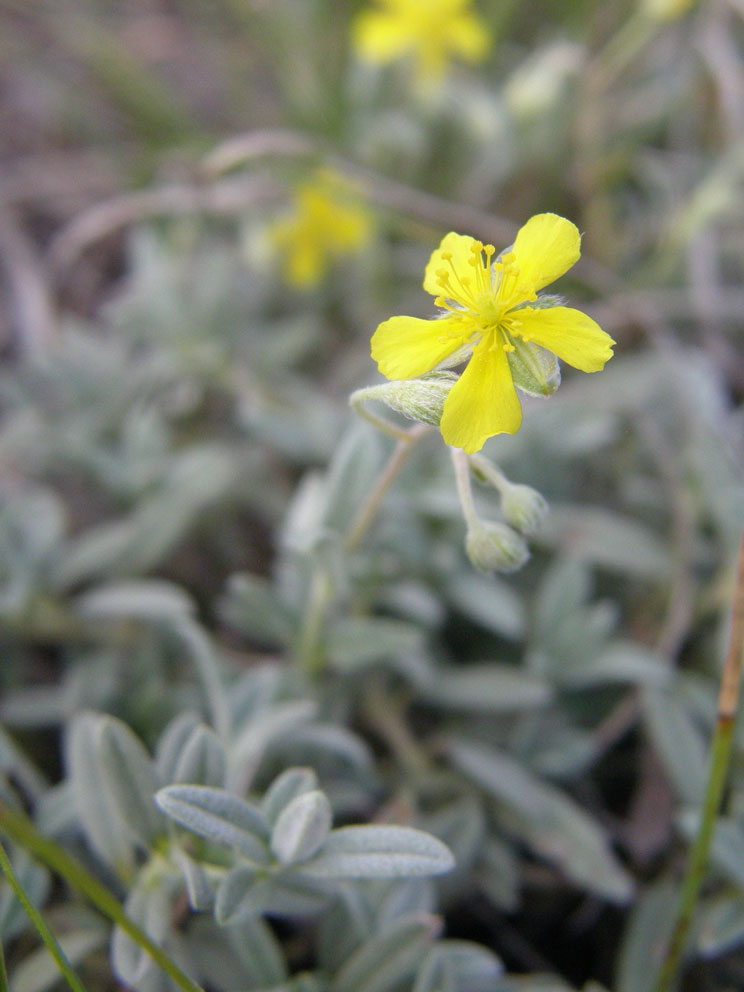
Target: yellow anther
{"points": [[447, 256], [440, 301]]}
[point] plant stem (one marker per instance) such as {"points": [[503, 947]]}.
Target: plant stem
{"points": [[4, 986], [369, 509], [720, 754], [461, 465], [19, 828], [50, 941], [357, 401], [321, 593]]}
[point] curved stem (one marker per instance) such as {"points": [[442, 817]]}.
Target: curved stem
{"points": [[20, 829], [719, 761], [357, 401], [461, 463], [369, 509]]}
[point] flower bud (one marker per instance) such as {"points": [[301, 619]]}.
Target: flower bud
{"points": [[418, 399], [494, 547], [523, 507]]}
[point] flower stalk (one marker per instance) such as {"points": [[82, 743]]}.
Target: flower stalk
{"points": [[723, 733]]}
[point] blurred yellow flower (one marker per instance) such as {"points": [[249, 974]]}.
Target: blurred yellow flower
{"points": [[327, 221], [430, 31], [489, 312], [665, 10]]}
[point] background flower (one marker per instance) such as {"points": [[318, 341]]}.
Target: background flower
{"points": [[431, 32]]}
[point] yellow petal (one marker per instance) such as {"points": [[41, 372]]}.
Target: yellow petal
{"points": [[459, 246], [404, 347], [380, 37], [569, 334], [545, 248], [483, 402], [469, 38]]}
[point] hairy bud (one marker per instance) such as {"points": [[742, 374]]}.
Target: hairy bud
{"points": [[494, 547]]}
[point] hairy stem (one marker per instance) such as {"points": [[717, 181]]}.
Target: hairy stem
{"points": [[369, 509]]}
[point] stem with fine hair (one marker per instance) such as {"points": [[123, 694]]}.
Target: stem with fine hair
{"points": [[20, 829], [719, 761], [461, 464]]}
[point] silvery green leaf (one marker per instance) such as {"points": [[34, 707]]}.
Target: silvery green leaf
{"points": [[291, 783], [459, 965], [355, 642], [318, 742], [172, 742], [620, 661], [99, 815], [143, 599], [498, 874], [130, 778], [245, 955], [243, 892], [490, 601], [720, 925], [149, 906], [549, 821], [198, 886], [395, 898], [202, 760], [38, 971], [344, 926], [679, 742], [389, 958], [354, 467], [55, 812], [36, 884], [251, 605], [380, 852], [301, 828], [485, 687], [303, 524], [648, 929], [564, 589], [615, 542], [269, 723], [461, 825], [294, 894], [218, 816]]}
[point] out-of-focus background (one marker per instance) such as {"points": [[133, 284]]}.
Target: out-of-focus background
{"points": [[206, 208]]}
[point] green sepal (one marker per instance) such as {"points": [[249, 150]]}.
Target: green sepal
{"points": [[534, 369]]}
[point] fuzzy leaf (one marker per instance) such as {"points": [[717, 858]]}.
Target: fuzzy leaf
{"points": [[389, 958], [218, 816], [380, 852], [302, 827]]}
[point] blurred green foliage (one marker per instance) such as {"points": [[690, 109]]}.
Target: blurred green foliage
{"points": [[181, 607]]}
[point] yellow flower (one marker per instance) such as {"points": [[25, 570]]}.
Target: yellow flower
{"points": [[327, 221], [431, 31], [492, 313]]}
